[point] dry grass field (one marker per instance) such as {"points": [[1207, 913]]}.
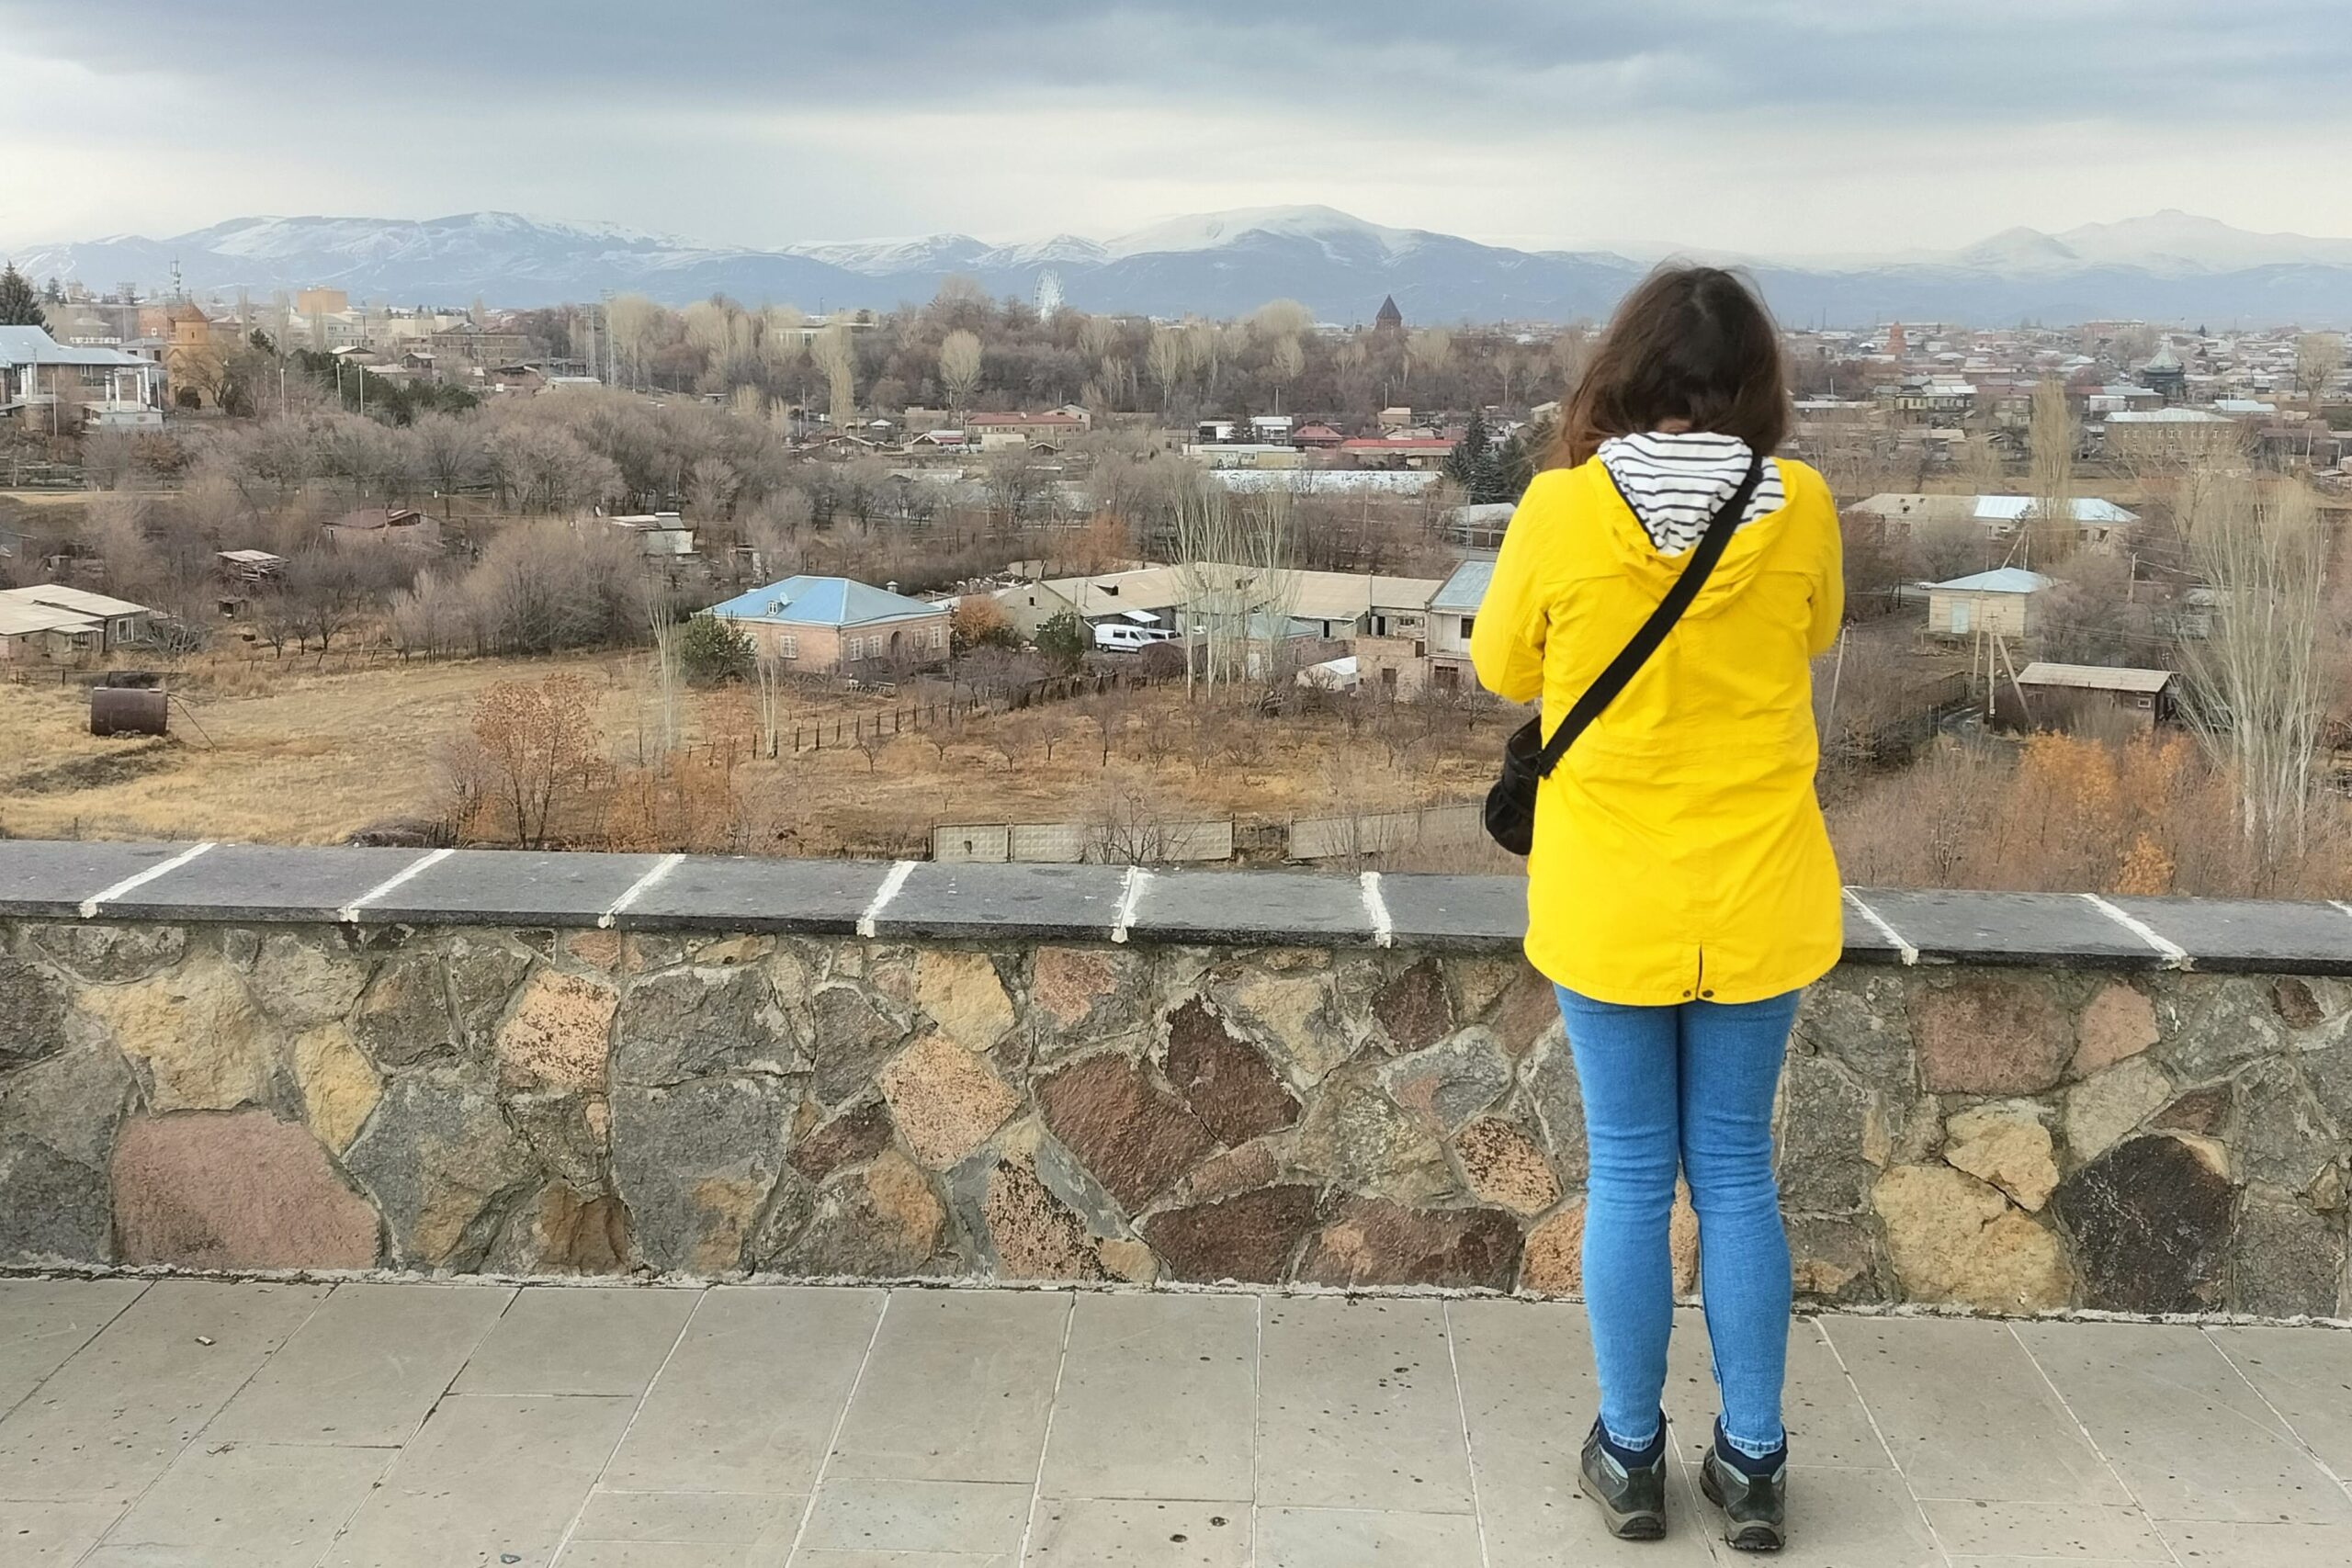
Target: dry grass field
{"points": [[280, 751], [284, 753]]}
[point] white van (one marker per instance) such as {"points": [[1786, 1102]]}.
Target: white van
{"points": [[1115, 637]]}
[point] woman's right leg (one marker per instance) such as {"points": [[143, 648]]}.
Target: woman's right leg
{"points": [[1626, 1063]]}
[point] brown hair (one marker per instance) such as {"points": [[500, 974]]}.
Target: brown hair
{"points": [[1692, 342]]}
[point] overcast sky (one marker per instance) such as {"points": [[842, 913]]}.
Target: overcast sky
{"points": [[1782, 126]]}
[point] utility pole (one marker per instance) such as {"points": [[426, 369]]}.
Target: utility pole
{"points": [[1836, 672]]}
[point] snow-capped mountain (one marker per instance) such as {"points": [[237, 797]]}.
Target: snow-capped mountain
{"points": [[2169, 266]]}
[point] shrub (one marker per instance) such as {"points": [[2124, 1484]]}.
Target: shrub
{"points": [[1063, 640], [711, 650]]}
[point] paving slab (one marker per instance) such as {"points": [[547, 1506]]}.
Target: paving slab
{"points": [[2153, 1396], [588, 1340], [705, 1518], [256, 883], [1967, 1414], [256, 1504], [748, 894], [1458, 914], [108, 1422], [1357, 1407], [43, 1322], [661, 1554], [51, 877], [1159, 1400], [950, 901], [1287, 907], [2307, 1379], [1827, 1426], [49, 1535], [1099, 1532], [365, 1368], [1352, 1538], [488, 1480], [806, 1558], [1844, 1519], [869, 1514], [1529, 1396], [2066, 1532], [959, 1387], [2059, 929], [2219, 1545], [497, 888], [753, 1393]]}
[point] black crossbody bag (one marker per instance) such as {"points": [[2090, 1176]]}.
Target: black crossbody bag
{"points": [[1529, 758]]}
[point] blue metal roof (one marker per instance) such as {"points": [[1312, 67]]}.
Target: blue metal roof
{"points": [[2002, 579], [1465, 589], [821, 601]]}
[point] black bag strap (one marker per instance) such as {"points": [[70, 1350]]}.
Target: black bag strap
{"points": [[1635, 653]]}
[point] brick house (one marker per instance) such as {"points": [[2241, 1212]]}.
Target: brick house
{"points": [[824, 625]]}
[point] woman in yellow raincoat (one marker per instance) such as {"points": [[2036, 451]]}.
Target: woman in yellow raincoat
{"points": [[1681, 892]]}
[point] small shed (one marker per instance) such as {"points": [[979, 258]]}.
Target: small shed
{"points": [[1995, 603], [250, 565], [2057, 696]]}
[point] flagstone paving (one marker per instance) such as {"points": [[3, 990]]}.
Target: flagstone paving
{"points": [[183, 1422]]}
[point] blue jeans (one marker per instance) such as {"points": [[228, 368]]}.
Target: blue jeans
{"points": [[1689, 1085]]}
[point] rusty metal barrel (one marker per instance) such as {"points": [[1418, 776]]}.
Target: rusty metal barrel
{"points": [[127, 710]]}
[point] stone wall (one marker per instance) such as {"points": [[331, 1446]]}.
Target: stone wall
{"points": [[620, 1064]]}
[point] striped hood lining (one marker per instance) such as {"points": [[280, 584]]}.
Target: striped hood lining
{"points": [[1675, 483]]}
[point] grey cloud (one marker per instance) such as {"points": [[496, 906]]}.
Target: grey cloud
{"points": [[1527, 60]]}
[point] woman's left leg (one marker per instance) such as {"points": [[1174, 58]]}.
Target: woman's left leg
{"points": [[1731, 1066]]}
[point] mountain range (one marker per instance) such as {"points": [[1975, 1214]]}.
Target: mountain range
{"points": [[2168, 266]]}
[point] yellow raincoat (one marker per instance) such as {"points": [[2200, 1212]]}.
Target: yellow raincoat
{"points": [[1680, 853]]}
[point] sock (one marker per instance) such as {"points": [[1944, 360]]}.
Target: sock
{"points": [[1748, 1464], [1634, 1459]]}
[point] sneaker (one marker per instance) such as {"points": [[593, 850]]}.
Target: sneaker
{"points": [[1632, 1497], [1755, 1506]]}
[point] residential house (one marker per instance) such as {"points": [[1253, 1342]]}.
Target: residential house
{"points": [[1901, 514], [2179, 434], [1480, 526], [1143, 596], [1351, 604], [1399, 451], [465, 349], [1995, 603], [999, 432], [1454, 611], [2060, 697], [1317, 436], [1336, 605], [1245, 455], [826, 626], [51, 621], [1394, 667], [660, 536], [59, 387]]}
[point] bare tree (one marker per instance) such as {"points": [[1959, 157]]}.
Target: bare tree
{"points": [[535, 742], [1167, 359], [2053, 532], [836, 356], [2256, 679], [2318, 355], [959, 365], [1287, 362]]}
